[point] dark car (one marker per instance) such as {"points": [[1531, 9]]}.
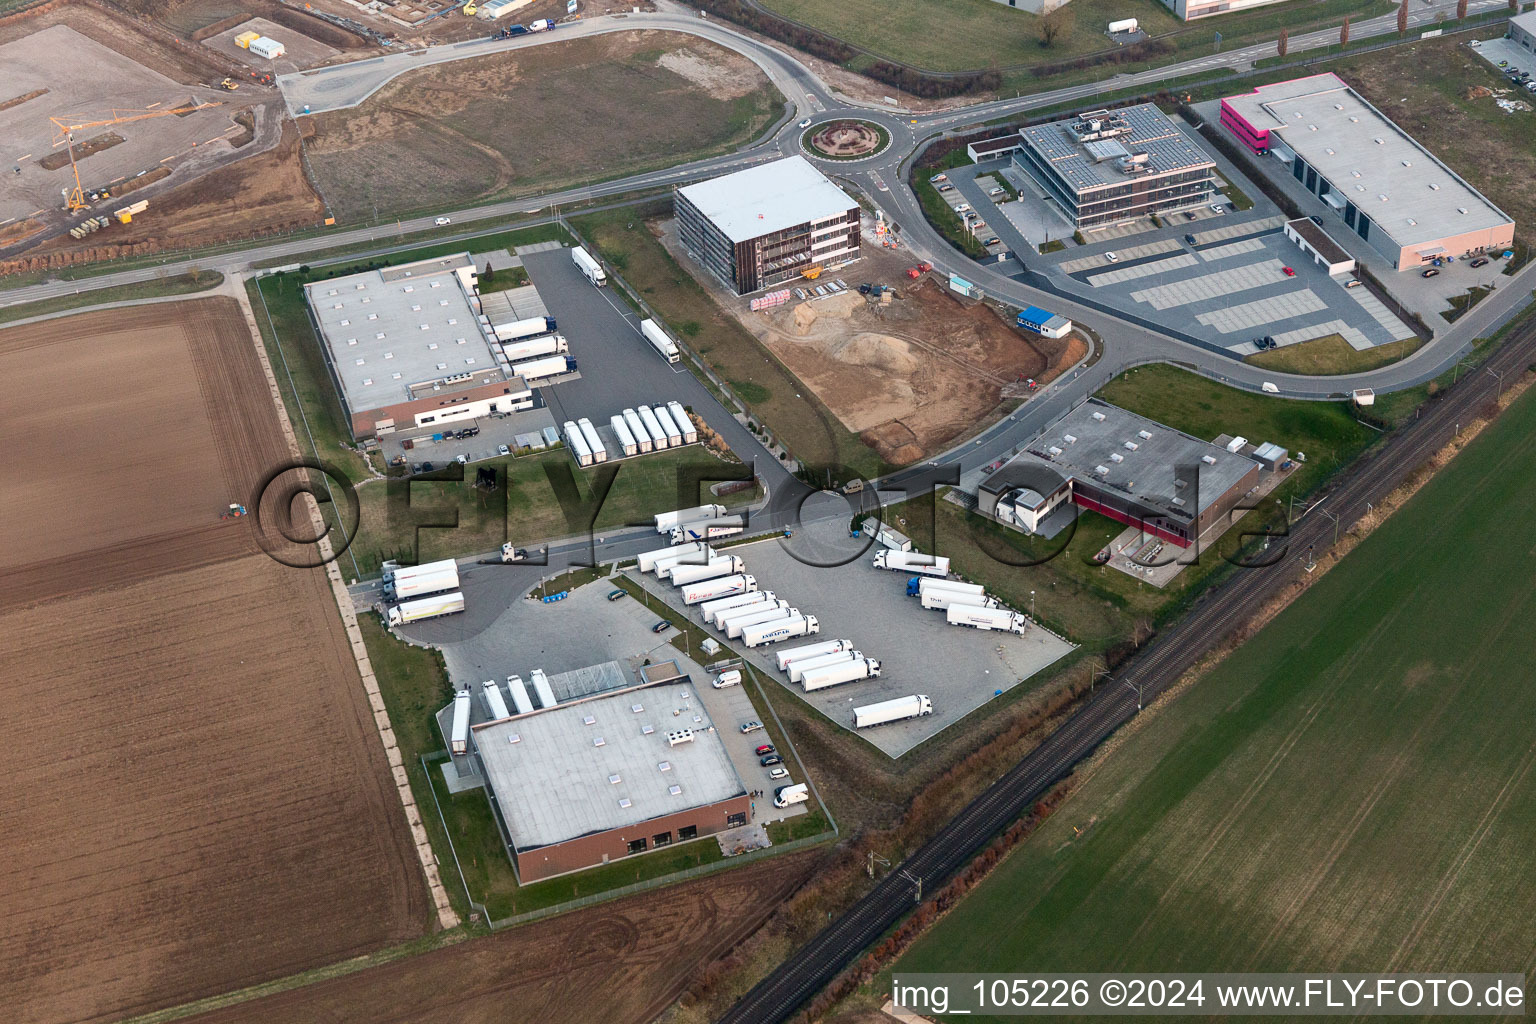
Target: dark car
{"points": [[771, 759], [766, 748], [1481, 261], [661, 627], [1189, 214], [1190, 239], [1431, 272], [426, 467], [1315, 219], [614, 595]]}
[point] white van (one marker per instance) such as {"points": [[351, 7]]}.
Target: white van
{"points": [[725, 679], [1269, 388], [786, 795]]}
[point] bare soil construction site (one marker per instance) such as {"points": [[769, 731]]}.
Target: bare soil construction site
{"points": [[199, 798]]}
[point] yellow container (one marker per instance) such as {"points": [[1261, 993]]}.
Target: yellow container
{"points": [[244, 39]]}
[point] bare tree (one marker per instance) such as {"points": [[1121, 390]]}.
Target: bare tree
{"points": [[1056, 24], [1514, 6], [1402, 17], [1283, 43], [1344, 33]]}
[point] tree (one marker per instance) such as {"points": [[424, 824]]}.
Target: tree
{"points": [[1283, 43], [1461, 9], [1514, 6], [1344, 34], [1402, 17], [1054, 25]]}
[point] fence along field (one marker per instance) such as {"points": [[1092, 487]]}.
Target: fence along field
{"points": [[197, 796], [1351, 790]]}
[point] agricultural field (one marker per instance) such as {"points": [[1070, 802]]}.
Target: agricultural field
{"points": [[1353, 789], [200, 798], [482, 129]]}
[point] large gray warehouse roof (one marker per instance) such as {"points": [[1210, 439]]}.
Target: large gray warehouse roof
{"points": [[766, 198], [1091, 164], [553, 771]]}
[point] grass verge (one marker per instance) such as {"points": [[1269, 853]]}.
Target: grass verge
{"points": [[180, 284], [1331, 355]]}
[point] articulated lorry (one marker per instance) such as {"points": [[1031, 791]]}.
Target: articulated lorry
{"points": [[666, 522], [765, 600], [854, 669], [912, 561], [919, 585], [424, 608], [394, 571], [732, 623], [664, 345], [798, 669], [543, 366], [681, 575], [530, 348], [892, 711], [710, 529], [773, 631], [422, 584], [720, 586], [524, 328], [942, 599], [987, 618], [785, 658], [709, 609], [650, 561], [459, 743], [589, 267]]}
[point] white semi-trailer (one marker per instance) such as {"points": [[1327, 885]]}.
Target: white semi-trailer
{"points": [[720, 618], [780, 629], [577, 442], [637, 428], [943, 599], [519, 694], [732, 623], [928, 585], [709, 529], [835, 675], [709, 609], [987, 618], [787, 657], [892, 711], [653, 427], [674, 432], [523, 328], [589, 267], [648, 559], [666, 522], [493, 700], [394, 572], [622, 432], [664, 345], [671, 569], [912, 561], [541, 688], [543, 366], [459, 743], [720, 586], [542, 345], [690, 556], [684, 421], [798, 669], [424, 608], [682, 575], [422, 584], [589, 433]]}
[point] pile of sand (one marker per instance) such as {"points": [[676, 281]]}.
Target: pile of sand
{"points": [[877, 351], [804, 317]]}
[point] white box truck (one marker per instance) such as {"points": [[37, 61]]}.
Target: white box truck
{"points": [[709, 609], [622, 432], [682, 575], [798, 669], [653, 333], [684, 421], [733, 623], [720, 586], [642, 436], [780, 629], [422, 584], [527, 328], [588, 266], [709, 529], [799, 793], [673, 431], [459, 743], [519, 694], [892, 711], [424, 608], [541, 345], [589, 433], [987, 618], [653, 427], [944, 599], [648, 559], [493, 700], [913, 562], [835, 675], [666, 522], [577, 444], [719, 618], [541, 688], [789, 656]]}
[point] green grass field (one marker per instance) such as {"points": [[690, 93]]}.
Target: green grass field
{"points": [[1332, 355], [1351, 790]]}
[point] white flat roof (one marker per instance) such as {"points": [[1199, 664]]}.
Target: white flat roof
{"points": [[1401, 186], [766, 198], [556, 783]]}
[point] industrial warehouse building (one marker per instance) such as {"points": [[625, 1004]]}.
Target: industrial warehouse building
{"points": [[610, 775], [767, 224], [1107, 167], [1190, 10], [1386, 188], [1134, 470], [407, 347], [1522, 30]]}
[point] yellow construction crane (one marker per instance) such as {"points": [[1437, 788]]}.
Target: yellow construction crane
{"points": [[67, 126]]}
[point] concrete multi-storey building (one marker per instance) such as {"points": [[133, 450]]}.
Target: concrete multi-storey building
{"points": [[1106, 167], [1388, 190], [767, 224]]}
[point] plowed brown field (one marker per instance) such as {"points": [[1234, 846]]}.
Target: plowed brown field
{"points": [[197, 799]]}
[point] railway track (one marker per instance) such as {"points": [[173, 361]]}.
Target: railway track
{"points": [[1145, 676]]}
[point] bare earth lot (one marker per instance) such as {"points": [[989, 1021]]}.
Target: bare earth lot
{"points": [[198, 796], [302, 51]]}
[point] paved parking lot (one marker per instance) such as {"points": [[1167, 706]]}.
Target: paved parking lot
{"points": [[1517, 58]]}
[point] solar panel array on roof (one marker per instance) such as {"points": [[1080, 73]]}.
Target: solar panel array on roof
{"points": [[1093, 164]]}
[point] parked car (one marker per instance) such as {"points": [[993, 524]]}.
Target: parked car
{"points": [[962, 207], [1481, 261], [441, 221], [462, 460], [994, 240], [1112, 257], [778, 772], [747, 727], [1217, 208], [502, 449], [1315, 219], [766, 748], [1189, 214], [1353, 282], [614, 595], [996, 191], [661, 627], [946, 188], [426, 467], [1431, 272], [1503, 63], [769, 760], [1288, 271], [1190, 239], [939, 177]]}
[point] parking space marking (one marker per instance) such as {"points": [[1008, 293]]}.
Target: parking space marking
{"points": [[1211, 286], [1252, 315], [1134, 252], [1242, 227], [1221, 252], [1142, 270], [1381, 314]]}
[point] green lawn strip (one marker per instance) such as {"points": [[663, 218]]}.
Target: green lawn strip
{"points": [[1331, 355], [1463, 303], [1238, 197], [180, 284]]}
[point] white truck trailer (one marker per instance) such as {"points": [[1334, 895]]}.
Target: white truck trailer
{"points": [[896, 710], [653, 427], [459, 742], [780, 629], [787, 657], [523, 328], [642, 436], [540, 345], [854, 669], [912, 561], [577, 444], [721, 618], [945, 599], [709, 609], [626, 438], [588, 266], [684, 421], [732, 623], [666, 522], [424, 608], [541, 688], [928, 585], [690, 556], [589, 434], [709, 529], [519, 694], [682, 575], [393, 572], [493, 700], [653, 333], [674, 432], [648, 559], [543, 366], [799, 793], [798, 669], [720, 586], [987, 618], [422, 584]]}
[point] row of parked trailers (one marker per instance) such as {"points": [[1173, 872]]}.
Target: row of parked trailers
{"points": [[637, 431], [496, 704], [965, 604], [421, 592]]}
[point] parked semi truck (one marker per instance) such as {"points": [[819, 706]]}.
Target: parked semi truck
{"points": [[394, 571], [511, 553], [945, 599], [519, 694], [780, 629], [540, 345], [912, 561], [422, 584], [659, 439], [787, 657], [524, 328], [589, 267], [424, 608], [709, 609], [493, 700], [719, 617], [799, 793], [681, 575], [732, 623], [709, 529], [637, 428], [987, 618], [920, 585], [798, 669], [648, 559], [543, 366], [896, 710], [835, 675], [720, 586], [653, 333], [666, 522], [459, 743]]}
